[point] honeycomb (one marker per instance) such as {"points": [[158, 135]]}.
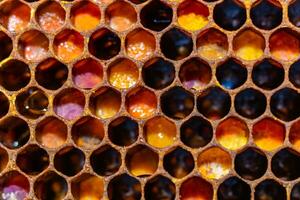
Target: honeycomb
{"points": [[150, 99]]}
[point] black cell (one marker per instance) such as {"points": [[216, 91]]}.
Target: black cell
{"points": [[158, 73], [4, 105], [230, 15], [234, 188], [123, 131], [6, 45], [251, 164], [196, 132], [214, 103], [294, 74], [271, 190], [295, 193], [176, 44], [156, 15], [250, 103], [124, 187], [231, 74], [177, 103], [294, 12], [285, 104], [159, 188]]}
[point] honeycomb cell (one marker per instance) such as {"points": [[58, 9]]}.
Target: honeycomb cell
{"points": [[251, 163], [140, 44], [69, 160], [293, 13], [105, 102], [50, 16], [68, 45], [229, 14], [87, 132], [269, 189], [14, 132], [192, 15], [87, 73], [51, 74], [249, 44], [32, 160], [106, 160], [4, 104], [177, 103], [141, 161], [120, 16], [196, 188], [4, 158], [85, 16], [50, 185], [214, 163], [160, 132], [231, 74], [214, 103], [123, 73], [176, 44], [6, 45], [69, 103], [141, 103], [160, 187], [284, 104], [196, 132], [195, 74], [250, 103], [267, 74], [14, 75], [232, 133], [123, 131], [123, 187], [212, 44], [51, 132], [294, 135], [156, 15], [294, 74], [104, 44], [234, 188], [268, 134], [295, 192]]}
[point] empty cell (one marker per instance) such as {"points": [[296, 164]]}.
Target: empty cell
{"points": [[294, 135], [4, 104], [234, 188], [6, 45], [270, 189], [159, 187], [196, 188], [295, 192], [293, 12], [294, 74]]}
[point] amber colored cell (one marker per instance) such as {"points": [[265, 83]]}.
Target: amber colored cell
{"points": [[285, 45], [268, 134], [85, 16], [294, 135], [214, 163], [120, 16], [160, 132], [141, 103], [232, 133], [68, 45], [51, 132], [3, 159], [123, 73], [6, 45], [249, 44], [50, 16], [140, 44], [196, 188], [212, 44]]}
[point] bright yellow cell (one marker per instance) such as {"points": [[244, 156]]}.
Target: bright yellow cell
{"points": [[85, 22], [212, 51], [192, 22]]}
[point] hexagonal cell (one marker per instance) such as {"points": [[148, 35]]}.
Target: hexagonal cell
{"points": [[69, 103], [14, 15], [141, 103], [160, 132], [105, 102], [293, 13], [295, 192], [268, 134], [50, 185], [294, 74], [88, 132], [249, 44], [14, 75], [14, 132], [123, 73], [232, 133], [4, 158], [234, 188], [87, 186], [6, 45], [4, 104], [212, 44], [159, 187], [294, 135], [196, 188], [87, 73], [140, 44], [51, 132], [214, 163], [270, 189], [32, 160], [85, 16], [50, 16]]}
